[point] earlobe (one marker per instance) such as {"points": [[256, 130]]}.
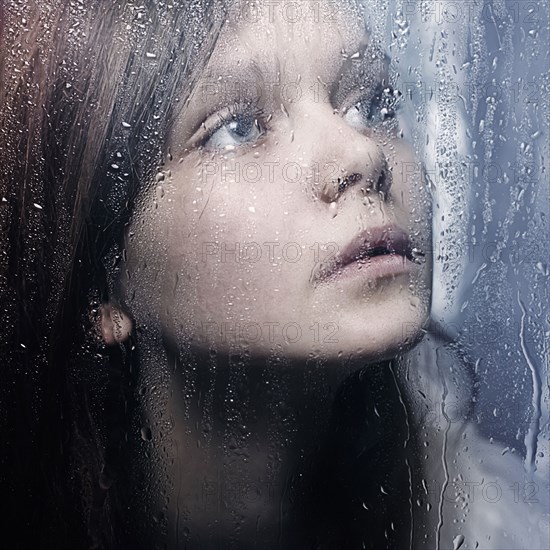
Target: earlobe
{"points": [[116, 325]]}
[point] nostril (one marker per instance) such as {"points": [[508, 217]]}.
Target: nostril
{"points": [[383, 182]]}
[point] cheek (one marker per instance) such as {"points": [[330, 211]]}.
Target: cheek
{"points": [[406, 174], [207, 229]]}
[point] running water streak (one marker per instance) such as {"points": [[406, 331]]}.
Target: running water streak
{"points": [[443, 457], [534, 424]]}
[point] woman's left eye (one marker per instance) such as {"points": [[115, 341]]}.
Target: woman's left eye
{"points": [[234, 130], [374, 109]]}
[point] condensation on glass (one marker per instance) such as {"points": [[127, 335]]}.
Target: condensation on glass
{"points": [[248, 372]]}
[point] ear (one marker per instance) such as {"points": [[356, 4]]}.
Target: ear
{"points": [[116, 325]]}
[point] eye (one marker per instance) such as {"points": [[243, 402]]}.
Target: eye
{"points": [[375, 108], [233, 129]]}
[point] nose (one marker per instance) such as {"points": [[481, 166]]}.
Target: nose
{"points": [[345, 157]]}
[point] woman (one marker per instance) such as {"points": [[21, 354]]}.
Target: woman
{"points": [[287, 148], [245, 255]]}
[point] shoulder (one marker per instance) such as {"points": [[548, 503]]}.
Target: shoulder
{"points": [[438, 377], [505, 506], [485, 493]]}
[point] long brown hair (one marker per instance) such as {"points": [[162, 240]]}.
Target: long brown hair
{"points": [[87, 91]]}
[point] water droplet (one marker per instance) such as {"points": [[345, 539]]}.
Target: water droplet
{"points": [[37, 206], [458, 541], [543, 268], [105, 480], [126, 125], [146, 434], [418, 257]]}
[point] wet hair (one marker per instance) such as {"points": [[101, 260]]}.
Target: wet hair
{"points": [[87, 92]]}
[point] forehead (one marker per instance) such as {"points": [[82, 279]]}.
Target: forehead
{"points": [[258, 53], [293, 38]]}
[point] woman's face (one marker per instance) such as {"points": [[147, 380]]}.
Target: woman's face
{"points": [[291, 214]]}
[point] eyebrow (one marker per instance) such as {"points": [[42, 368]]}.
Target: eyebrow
{"points": [[369, 69]]}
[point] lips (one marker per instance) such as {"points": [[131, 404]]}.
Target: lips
{"points": [[377, 244]]}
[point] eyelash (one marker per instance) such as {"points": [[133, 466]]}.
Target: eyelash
{"points": [[233, 113], [384, 98]]}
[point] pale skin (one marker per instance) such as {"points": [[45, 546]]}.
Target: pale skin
{"points": [[260, 178]]}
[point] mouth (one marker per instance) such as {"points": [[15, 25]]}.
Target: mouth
{"points": [[378, 252]]}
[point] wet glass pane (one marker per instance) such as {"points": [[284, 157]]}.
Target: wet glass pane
{"points": [[274, 274]]}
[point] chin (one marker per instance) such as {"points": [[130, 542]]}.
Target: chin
{"points": [[336, 332], [369, 340], [371, 349], [376, 332]]}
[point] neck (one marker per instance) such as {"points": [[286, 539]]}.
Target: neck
{"points": [[272, 398], [260, 438]]}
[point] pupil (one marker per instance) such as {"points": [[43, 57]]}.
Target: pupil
{"points": [[241, 126]]}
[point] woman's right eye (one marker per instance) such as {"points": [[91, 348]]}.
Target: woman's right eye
{"points": [[234, 130]]}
